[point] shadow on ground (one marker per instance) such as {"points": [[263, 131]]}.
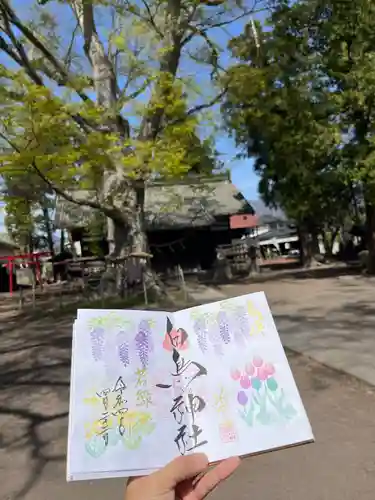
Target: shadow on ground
{"points": [[342, 337], [285, 271], [34, 384], [34, 401]]}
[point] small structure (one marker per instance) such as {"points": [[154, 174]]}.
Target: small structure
{"points": [[29, 260], [273, 233], [7, 246], [185, 221], [235, 257]]}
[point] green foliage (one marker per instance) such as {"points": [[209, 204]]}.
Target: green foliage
{"points": [[291, 106], [28, 206], [65, 103]]}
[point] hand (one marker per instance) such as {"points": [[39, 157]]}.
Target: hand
{"points": [[185, 478]]}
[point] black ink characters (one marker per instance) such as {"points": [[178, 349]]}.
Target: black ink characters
{"points": [[185, 406]]}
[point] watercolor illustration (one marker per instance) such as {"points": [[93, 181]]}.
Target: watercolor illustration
{"points": [[228, 432], [144, 345], [261, 399], [200, 325], [212, 379], [130, 431], [111, 333], [227, 428], [234, 322], [114, 422], [256, 319], [175, 338]]}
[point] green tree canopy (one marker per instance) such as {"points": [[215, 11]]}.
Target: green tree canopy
{"points": [[286, 109], [98, 95]]}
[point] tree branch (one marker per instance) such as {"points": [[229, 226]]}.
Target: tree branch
{"points": [[207, 26], [67, 58], [214, 52], [150, 126], [149, 19], [105, 81], [65, 78], [9, 50], [212, 102], [107, 210], [24, 64]]}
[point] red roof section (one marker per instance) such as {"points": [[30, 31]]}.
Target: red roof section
{"points": [[243, 221]]}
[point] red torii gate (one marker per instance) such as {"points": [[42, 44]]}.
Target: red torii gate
{"points": [[28, 258]]}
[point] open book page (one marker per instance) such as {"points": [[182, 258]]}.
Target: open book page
{"points": [[237, 392], [120, 424], [147, 386]]}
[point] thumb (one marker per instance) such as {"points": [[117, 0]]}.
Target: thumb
{"points": [[180, 469]]}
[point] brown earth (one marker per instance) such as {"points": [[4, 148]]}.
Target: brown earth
{"points": [[34, 382]]}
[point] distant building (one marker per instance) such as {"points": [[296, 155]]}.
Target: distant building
{"points": [[185, 221], [269, 228], [7, 246]]}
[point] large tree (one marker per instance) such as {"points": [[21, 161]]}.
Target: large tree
{"points": [[98, 95], [343, 38], [285, 107]]}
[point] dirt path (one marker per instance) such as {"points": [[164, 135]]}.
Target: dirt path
{"points": [[330, 319], [34, 381]]}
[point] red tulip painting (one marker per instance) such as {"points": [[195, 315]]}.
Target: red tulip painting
{"points": [[260, 397]]}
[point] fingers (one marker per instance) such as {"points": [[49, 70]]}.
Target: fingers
{"points": [[180, 469], [215, 476]]}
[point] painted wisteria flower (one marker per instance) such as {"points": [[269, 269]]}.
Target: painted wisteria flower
{"points": [[223, 322], [241, 325], [97, 342], [200, 330], [123, 348], [143, 342]]}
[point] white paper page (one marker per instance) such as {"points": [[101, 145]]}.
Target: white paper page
{"points": [[96, 475], [248, 401], [117, 418]]}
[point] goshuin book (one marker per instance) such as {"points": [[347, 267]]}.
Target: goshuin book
{"points": [[147, 386]]}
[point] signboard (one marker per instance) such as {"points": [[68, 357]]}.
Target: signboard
{"points": [[25, 277]]}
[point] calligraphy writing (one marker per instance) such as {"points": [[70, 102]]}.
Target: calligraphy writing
{"points": [[114, 405], [143, 395], [186, 405]]}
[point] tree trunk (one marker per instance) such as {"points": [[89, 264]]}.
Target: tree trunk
{"points": [[370, 237], [305, 246], [309, 243], [127, 236], [314, 239], [329, 239], [62, 240], [126, 227], [48, 229], [327, 242]]}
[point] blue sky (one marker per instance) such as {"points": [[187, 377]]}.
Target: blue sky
{"points": [[241, 170]]}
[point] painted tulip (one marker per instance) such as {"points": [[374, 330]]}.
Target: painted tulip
{"points": [[249, 369], [272, 384], [262, 373], [256, 383], [242, 398], [235, 374], [270, 369], [257, 361], [245, 382]]}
